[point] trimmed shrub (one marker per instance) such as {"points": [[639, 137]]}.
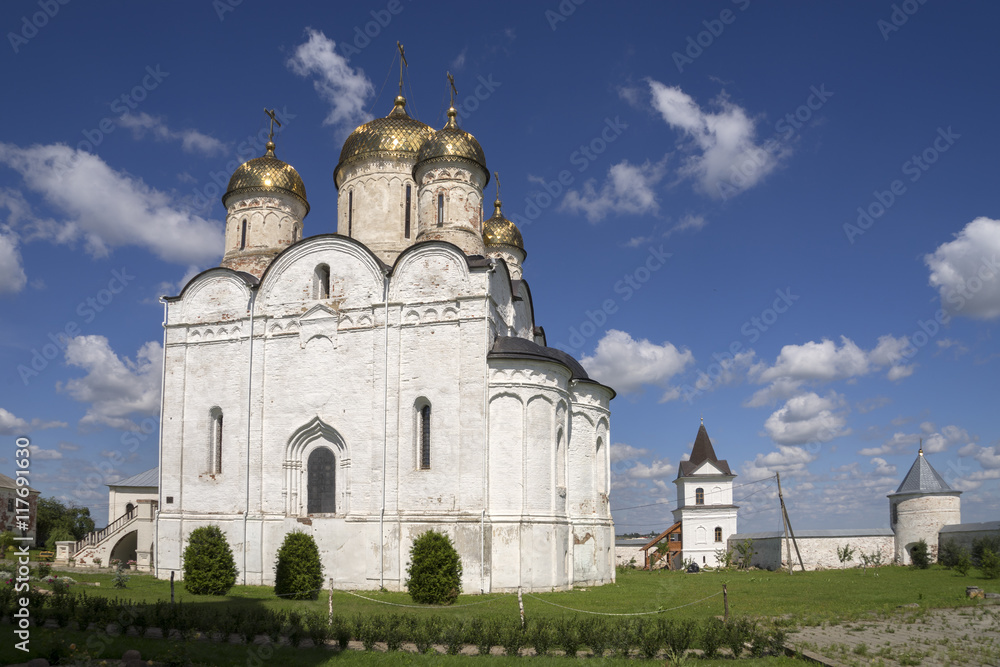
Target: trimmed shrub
{"points": [[964, 563], [434, 575], [298, 573], [209, 567], [920, 555]]}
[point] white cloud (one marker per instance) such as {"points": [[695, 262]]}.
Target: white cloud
{"points": [[13, 425], [725, 371], [988, 457], [658, 469], [627, 190], [192, 141], [622, 452], [694, 222], [965, 271], [108, 208], [790, 460], [807, 418], [459, 61], [12, 275], [826, 362], [728, 159], [44, 454], [346, 89], [934, 441], [116, 388], [883, 467], [626, 364]]}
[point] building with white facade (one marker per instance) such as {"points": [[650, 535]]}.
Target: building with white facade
{"points": [[705, 509], [368, 385]]}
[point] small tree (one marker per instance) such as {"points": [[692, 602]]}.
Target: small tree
{"points": [[209, 567], [920, 555], [949, 552], [435, 570], [725, 558], [990, 565], [963, 562], [845, 554], [746, 552], [298, 572]]}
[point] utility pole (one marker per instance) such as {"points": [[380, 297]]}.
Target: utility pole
{"points": [[788, 529]]}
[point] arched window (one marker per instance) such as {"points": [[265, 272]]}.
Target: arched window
{"points": [[406, 215], [699, 496], [424, 433], [243, 234], [322, 482], [895, 514], [129, 508], [215, 453], [602, 481], [321, 282], [718, 533], [440, 210], [350, 211]]}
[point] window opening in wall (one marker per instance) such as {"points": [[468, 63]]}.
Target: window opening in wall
{"points": [[560, 460], [216, 441], [322, 482], [10, 504], [406, 226], [895, 514], [243, 235], [699, 496], [321, 282], [170, 500], [129, 508], [440, 210], [718, 533], [425, 437], [350, 211]]}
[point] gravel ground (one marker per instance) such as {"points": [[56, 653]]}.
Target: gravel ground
{"points": [[965, 636]]}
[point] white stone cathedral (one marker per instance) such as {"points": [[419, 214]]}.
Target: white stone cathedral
{"points": [[386, 380]]}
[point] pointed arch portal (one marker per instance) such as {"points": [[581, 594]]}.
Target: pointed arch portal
{"points": [[316, 471]]}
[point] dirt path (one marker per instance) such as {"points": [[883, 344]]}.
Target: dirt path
{"points": [[964, 636]]}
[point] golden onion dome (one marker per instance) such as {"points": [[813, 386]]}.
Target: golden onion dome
{"points": [[396, 135], [266, 174], [499, 231], [453, 141]]}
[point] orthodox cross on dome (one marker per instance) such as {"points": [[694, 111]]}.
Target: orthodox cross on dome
{"points": [[496, 174], [402, 62], [272, 116], [454, 92]]}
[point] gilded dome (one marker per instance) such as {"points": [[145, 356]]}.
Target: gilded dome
{"points": [[396, 135], [453, 141], [498, 230], [266, 174]]}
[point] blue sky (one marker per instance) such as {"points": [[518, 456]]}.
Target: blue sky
{"points": [[778, 216]]}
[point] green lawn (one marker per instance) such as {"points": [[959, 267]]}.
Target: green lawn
{"points": [[809, 597]]}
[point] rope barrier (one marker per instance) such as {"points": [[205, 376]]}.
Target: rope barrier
{"points": [[421, 606], [639, 613]]}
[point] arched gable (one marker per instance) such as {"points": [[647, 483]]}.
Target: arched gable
{"points": [[212, 295], [355, 275], [430, 271]]}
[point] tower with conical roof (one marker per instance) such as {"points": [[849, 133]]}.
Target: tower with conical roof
{"points": [[265, 208], [922, 505], [705, 506]]}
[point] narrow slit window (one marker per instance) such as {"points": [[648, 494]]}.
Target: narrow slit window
{"points": [[440, 210], [321, 282], [350, 211], [243, 234], [406, 223], [216, 453], [425, 437]]}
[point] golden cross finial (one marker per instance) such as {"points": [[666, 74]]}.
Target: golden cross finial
{"points": [[921, 451], [271, 115], [703, 420], [454, 92], [402, 62]]}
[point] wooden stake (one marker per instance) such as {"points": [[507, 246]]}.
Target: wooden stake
{"points": [[171, 587], [330, 616], [520, 604], [725, 602]]}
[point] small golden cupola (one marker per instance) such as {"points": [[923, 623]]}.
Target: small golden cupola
{"points": [[502, 238], [265, 208], [450, 174]]}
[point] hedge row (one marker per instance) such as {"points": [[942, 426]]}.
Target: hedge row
{"points": [[647, 636]]}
